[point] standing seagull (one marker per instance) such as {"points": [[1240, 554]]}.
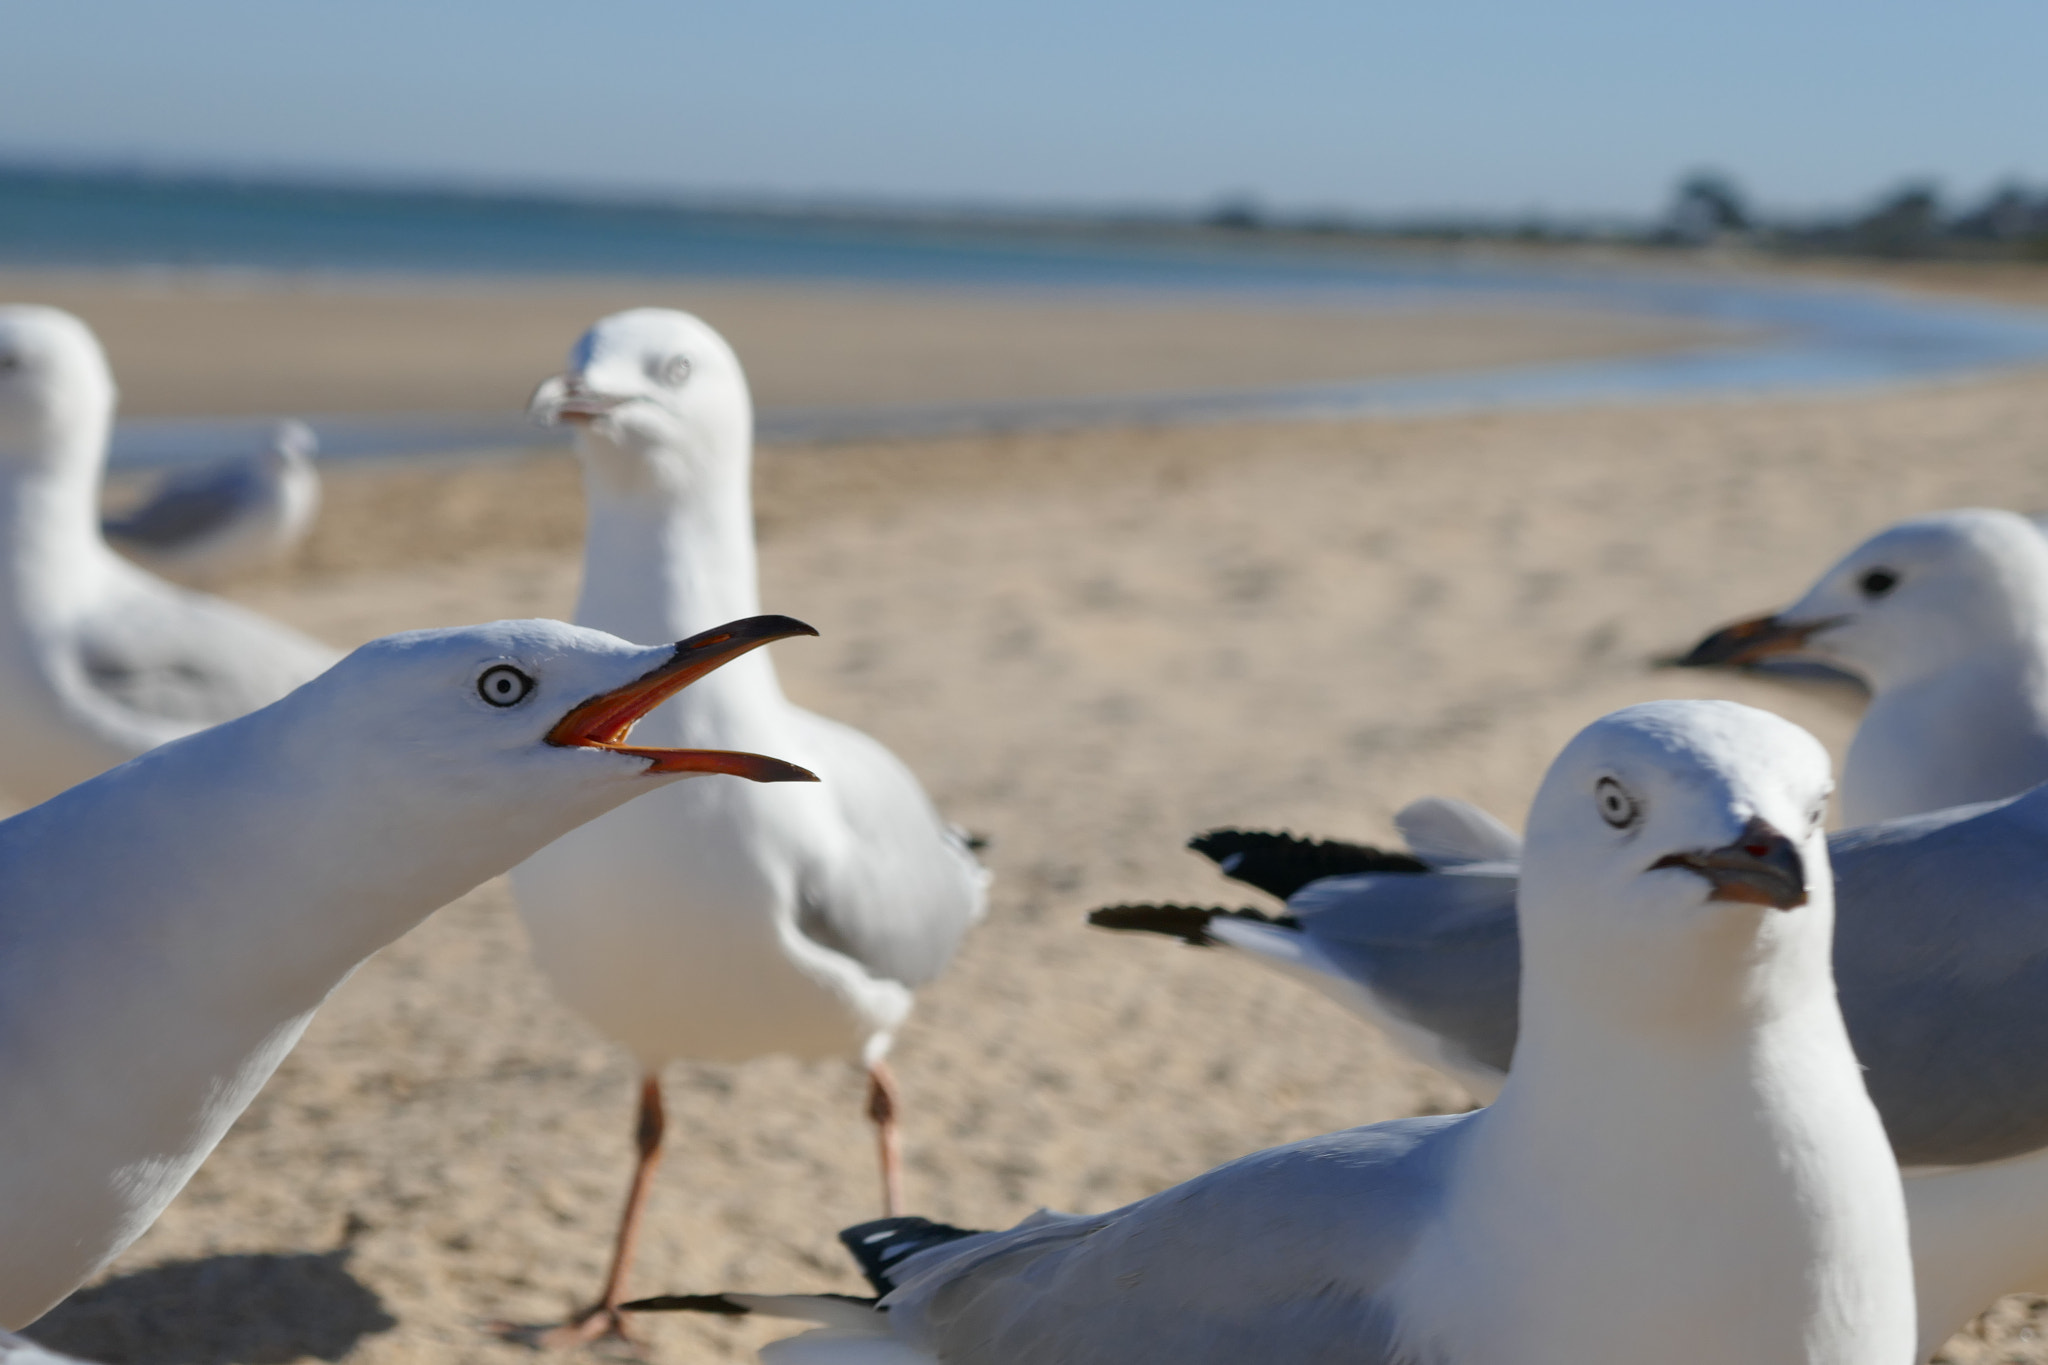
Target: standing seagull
{"points": [[1945, 617], [99, 660], [167, 929], [1683, 1166], [223, 518], [723, 921]]}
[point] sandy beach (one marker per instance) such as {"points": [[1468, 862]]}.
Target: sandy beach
{"points": [[1090, 645], [218, 344]]}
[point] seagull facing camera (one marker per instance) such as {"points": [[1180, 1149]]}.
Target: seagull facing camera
{"points": [[723, 925]]}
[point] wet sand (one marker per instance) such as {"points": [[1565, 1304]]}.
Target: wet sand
{"points": [[210, 344], [1090, 645]]}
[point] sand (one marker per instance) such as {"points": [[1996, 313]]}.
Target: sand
{"points": [[195, 343], [1090, 645]]}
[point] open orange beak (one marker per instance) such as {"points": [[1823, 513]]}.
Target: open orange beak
{"points": [[604, 721]]}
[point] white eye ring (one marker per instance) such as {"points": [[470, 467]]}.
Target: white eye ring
{"points": [[673, 372], [1617, 807], [503, 685]]}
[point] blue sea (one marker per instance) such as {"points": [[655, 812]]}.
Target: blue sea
{"points": [[1809, 337]]}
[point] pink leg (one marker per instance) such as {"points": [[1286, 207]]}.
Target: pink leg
{"points": [[603, 1319], [882, 1103]]}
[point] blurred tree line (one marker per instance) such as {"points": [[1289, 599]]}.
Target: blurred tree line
{"points": [[1709, 208]]}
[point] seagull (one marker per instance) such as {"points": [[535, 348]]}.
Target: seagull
{"points": [[229, 517], [100, 660], [724, 923], [168, 928], [1684, 1163], [1945, 618], [1941, 961]]}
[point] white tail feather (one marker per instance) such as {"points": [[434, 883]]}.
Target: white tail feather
{"points": [[1444, 832]]}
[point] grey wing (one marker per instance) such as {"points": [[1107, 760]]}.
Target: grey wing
{"points": [[1941, 959], [184, 656], [1442, 951], [905, 888], [190, 509], [1281, 1255]]}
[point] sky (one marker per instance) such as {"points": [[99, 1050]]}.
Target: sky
{"points": [[1568, 107]]}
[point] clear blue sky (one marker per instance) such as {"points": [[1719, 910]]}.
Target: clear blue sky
{"points": [[1493, 105]]}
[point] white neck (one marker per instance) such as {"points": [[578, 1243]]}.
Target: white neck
{"points": [[1621, 1163], [1970, 733], [50, 518], [166, 931], [668, 552]]}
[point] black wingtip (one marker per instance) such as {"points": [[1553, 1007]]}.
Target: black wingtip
{"points": [[1280, 864], [879, 1246], [1188, 923], [687, 1303]]}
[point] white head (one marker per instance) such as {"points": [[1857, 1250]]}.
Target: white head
{"points": [[656, 391], [1919, 598], [504, 736], [1676, 864], [292, 445], [56, 393], [517, 705]]}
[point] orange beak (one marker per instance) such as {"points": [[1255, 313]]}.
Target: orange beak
{"points": [[1747, 641], [604, 721]]}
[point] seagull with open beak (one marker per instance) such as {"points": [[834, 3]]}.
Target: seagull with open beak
{"points": [[724, 922], [168, 928], [1945, 617]]}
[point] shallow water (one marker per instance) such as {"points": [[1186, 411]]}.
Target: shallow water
{"points": [[1810, 337]]}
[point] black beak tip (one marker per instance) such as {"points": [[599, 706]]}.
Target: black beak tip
{"points": [[747, 630], [1763, 867], [1719, 648]]}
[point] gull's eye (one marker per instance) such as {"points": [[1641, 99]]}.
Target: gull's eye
{"points": [[671, 373], [503, 685], [1617, 807], [1877, 583], [9, 362]]}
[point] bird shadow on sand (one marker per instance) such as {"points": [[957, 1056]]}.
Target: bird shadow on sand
{"points": [[220, 1310]]}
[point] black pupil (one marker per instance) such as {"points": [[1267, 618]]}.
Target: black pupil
{"points": [[1878, 582], [504, 685]]}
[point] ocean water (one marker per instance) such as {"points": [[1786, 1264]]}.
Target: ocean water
{"points": [[106, 220], [1809, 337]]}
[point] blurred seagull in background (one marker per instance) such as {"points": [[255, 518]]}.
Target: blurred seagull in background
{"points": [[168, 928], [1683, 1165], [722, 921], [100, 660], [227, 517], [1945, 617]]}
